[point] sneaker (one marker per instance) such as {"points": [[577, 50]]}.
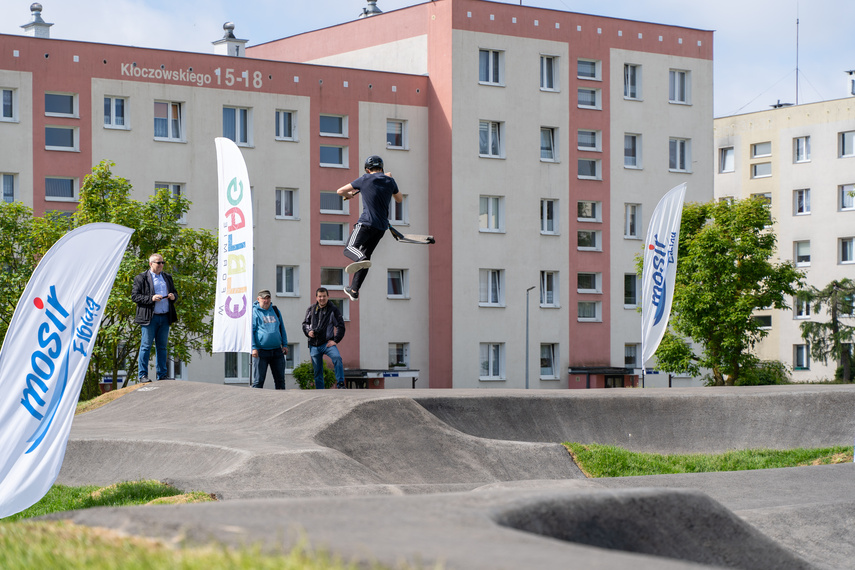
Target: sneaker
{"points": [[357, 265], [144, 379], [340, 386], [353, 295]]}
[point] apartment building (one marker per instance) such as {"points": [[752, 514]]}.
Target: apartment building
{"points": [[533, 144], [801, 159]]}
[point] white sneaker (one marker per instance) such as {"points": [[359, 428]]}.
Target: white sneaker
{"points": [[357, 265], [353, 295]]}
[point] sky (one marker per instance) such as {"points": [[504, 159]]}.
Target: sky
{"points": [[754, 42]]}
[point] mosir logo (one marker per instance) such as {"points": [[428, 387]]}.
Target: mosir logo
{"points": [[661, 259], [47, 377]]}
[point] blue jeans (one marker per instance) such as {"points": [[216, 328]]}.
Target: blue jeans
{"points": [[317, 353], [155, 332], [276, 360]]}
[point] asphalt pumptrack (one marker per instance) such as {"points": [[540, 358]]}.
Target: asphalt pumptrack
{"points": [[477, 479]]}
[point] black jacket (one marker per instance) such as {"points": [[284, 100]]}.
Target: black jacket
{"points": [[326, 322], [143, 291]]}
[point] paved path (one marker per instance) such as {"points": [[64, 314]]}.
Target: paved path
{"points": [[477, 478]]}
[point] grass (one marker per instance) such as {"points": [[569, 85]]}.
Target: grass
{"points": [[103, 399], [608, 461]]}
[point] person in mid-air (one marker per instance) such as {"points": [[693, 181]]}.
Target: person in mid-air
{"points": [[377, 188]]}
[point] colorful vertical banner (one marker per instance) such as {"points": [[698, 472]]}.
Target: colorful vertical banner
{"points": [[233, 306], [660, 270], [45, 354]]}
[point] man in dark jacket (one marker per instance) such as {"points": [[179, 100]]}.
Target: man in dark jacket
{"points": [[325, 328], [154, 293]]}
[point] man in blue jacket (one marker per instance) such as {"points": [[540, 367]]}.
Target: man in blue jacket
{"points": [[269, 342]]}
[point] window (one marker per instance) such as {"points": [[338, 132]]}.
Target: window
{"points": [[168, 121], [589, 282], [491, 287], [766, 198], [491, 135], [175, 190], [334, 203], [679, 87], [60, 104], [332, 277], [679, 155], [801, 202], [801, 149], [176, 369], [589, 98], [588, 140], [332, 233], [725, 159], [761, 170], [630, 355], [549, 217], [846, 142], [293, 357], [237, 367], [115, 112], [343, 306], [763, 321], [801, 307], [631, 81], [587, 211], [398, 284], [286, 125], [288, 280], [847, 196], [399, 212], [286, 204], [237, 125], [801, 358], [60, 189], [630, 290], [589, 169], [548, 73], [590, 311], [333, 126], [491, 214], [334, 156], [763, 149], [587, 69], [632, 151], [399, 355], [549, 361], [588, 240], [549, 289], [396, 134], [492, 361], [490, 63], [8, 182], [8, 105], [801, 252], [847, 250], [632, 221], [60, 138], [547, 145]]}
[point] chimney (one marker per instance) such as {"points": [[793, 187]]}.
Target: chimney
{"points": [[38, 28], [230, 45], [371, 10]]}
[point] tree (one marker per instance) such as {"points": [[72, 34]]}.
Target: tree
{"points": [[833, 338], [724, 274], [190, 253]]}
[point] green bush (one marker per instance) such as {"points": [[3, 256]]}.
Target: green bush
{"points": [[765, 373], [304, 374]]}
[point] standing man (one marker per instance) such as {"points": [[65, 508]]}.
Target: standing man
{"points": [[269, 342], [154, 293], [325, 328], [377, 189]]}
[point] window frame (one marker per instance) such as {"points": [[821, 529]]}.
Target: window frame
{"points": [[597, 147], [494, 130], [75, 109], [8, 180], [632, 161], [75, 189], [282, 279], [801, 357], [242, 363], [598, 98], [597, 238], [845, 198], [495, 210], [326, 272], [550, 284], [801, 308], [675, 145], [402, 348], [759, 150], [175, 189], [545, 218], [345, 232], [343, 152], [547, 84], [630, 298], [598, 214], [676, 95], [598, 169], [125, 126], [723, 161], [172, 107], [756, 171], [293, 357], [598, 311], [632, 82], [75, 138], [345, 204], [404, 135], [845, 150], [846, 250], [632, 221], [635, 352], [801, 149], [598, 69], [493, 350], [12, 117], [341, 133], [404, 278], [487, 278], [800, 258], [403, 207], [552, 354], [801, 202], [242, 117], [495, 69], [598, 282], [279, 125], [279, 203], [552, 133]]}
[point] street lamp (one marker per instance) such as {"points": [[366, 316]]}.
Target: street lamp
{"points": [[526, 335]]}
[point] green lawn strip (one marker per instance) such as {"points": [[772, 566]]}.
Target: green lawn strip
{"points": [[609, 461]]}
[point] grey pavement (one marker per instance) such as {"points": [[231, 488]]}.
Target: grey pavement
{"points": [[477, 478]]}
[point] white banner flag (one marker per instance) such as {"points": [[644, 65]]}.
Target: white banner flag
{"points": [[45, 355], [660, 270], [233, 307]]}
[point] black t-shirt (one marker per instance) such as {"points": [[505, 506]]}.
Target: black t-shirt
{"points": [[377, 190]]}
